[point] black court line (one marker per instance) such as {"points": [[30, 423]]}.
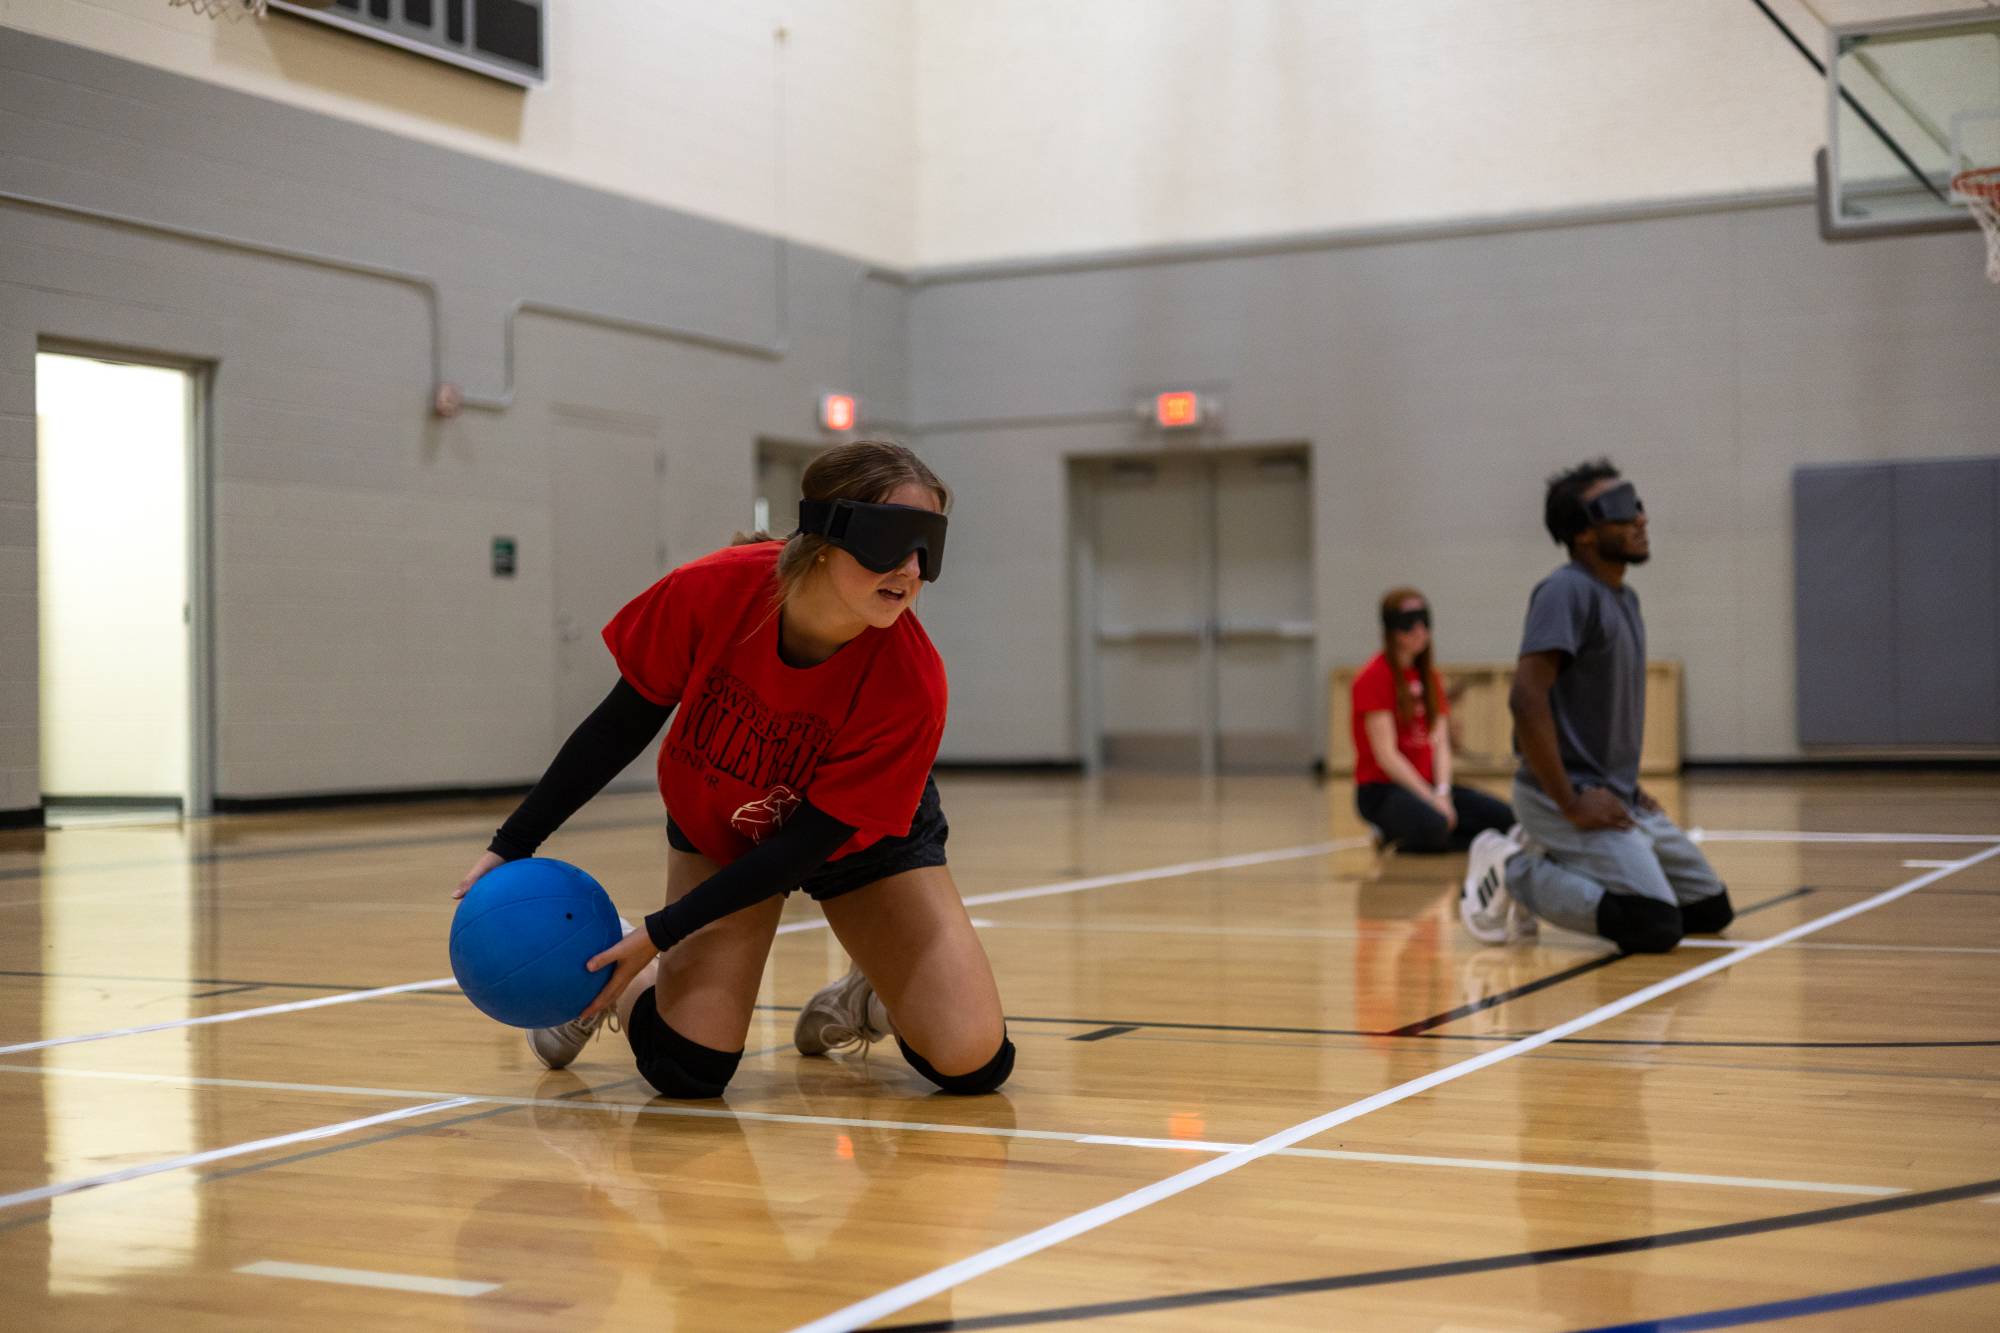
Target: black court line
{"points": [[1424, 1025], [226, 990], [1381, 1277], [1781, 898], [1122, 1025], [1455, 1036], [1275, 1031], [1115, 1030], [305, 849]]}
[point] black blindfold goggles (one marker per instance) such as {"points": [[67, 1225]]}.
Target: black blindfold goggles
{"points": [[881, 537], [1620, 504], [1407, 619]]}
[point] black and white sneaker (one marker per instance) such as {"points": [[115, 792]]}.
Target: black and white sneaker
{"points": [[1489, 912]]}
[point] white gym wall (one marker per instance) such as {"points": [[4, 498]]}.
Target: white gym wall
{"points": [[1049, 125]]}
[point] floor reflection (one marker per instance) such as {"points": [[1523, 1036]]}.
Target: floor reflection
{"points": [[650, 1218], [89, 1128]]}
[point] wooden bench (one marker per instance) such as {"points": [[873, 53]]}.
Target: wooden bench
{"points": [[1482, 730]]}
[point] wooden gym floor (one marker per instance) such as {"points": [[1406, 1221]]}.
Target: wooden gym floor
{"points": [[1807, 1131]]}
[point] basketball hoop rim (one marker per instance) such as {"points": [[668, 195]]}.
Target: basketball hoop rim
{"points": [[1981, 183]]}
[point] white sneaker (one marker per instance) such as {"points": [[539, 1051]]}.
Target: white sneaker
{"points": [[1489, 912], [555, 1047], [841, 1015]]}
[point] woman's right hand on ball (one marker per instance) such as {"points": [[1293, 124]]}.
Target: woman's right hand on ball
{"points": [[479, 867]]}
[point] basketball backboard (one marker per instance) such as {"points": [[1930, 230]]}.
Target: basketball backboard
{"points": [[1910, 103]]}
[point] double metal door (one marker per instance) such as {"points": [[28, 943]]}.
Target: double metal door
{"points": [[1195, 588]]}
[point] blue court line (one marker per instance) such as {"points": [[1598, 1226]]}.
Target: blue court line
{"points": [[1850, 1299]]}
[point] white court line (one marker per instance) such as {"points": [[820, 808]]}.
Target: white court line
{"points": [[1924, 865], [1699, 834], [62, 1187], [347, 997], [1010, 895], [368, 1277], [900, 1297], [983, 1131], [1135, 876]]}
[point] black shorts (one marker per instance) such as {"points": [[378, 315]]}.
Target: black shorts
{"points": [[922, 846]]}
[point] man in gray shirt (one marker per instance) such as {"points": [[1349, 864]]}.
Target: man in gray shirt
{"points": [[1594, 853]]}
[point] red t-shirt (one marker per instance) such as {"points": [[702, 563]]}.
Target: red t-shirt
{"points": [[1373, 693], [752, 736]]}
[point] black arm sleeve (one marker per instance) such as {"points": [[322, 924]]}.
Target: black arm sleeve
{"points": [[596, 752], [776, 866]]}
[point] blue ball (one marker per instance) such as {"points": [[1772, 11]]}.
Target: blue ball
{"points": [[521, 937]]}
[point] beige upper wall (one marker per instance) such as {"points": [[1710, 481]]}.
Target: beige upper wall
{"points": [[676, 102], [1049, 125]]}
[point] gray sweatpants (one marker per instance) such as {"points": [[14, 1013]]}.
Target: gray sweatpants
{"points": [[1565, 876]]}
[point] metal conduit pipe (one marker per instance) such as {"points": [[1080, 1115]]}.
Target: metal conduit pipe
{"points": [[772, 350]]}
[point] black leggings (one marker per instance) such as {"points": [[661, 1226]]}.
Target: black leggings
{"points": [[1417, 827]]}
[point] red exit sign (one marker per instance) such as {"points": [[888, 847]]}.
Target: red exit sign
{"points": [[1177, 409], [838, 412]]}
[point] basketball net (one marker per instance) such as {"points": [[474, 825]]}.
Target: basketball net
{"points": [[1980, 191], [218, 9]]}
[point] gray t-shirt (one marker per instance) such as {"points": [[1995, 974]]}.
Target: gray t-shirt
{"points": [[1599, 698]]}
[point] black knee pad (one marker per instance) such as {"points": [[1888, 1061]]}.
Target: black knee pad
{"points": [[983, 1079], [1705, 916], [675, 1065], [1638, 925]]}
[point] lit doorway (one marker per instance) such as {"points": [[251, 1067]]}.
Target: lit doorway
{"points": [[122, 589]]}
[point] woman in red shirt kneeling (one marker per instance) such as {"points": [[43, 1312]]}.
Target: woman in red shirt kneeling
{"points": [[1402, 742], [807, 704]]}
